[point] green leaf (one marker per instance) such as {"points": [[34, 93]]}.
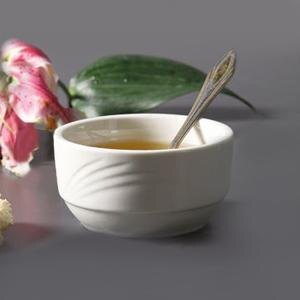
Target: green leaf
{"points": [[133, 83]]}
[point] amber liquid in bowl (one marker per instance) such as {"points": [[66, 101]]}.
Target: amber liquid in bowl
{"points": [[132, 145], [135, 145]]}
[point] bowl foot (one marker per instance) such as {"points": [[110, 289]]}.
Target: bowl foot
{"points": [[143, 225]]}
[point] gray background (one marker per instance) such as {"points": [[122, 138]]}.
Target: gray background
{"points": [[250, 249]]}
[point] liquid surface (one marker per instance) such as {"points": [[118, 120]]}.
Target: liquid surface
{"points": [[133, 145]]}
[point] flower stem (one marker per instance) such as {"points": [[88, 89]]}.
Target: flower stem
{"points": [[66, 91]]}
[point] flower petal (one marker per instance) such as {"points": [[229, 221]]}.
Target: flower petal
{"points": [[18, 52], [33, 90], [15, 50], [18, 141], [33, 102]]}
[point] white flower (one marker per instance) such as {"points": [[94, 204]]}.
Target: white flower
{"points": [[6, 217]]}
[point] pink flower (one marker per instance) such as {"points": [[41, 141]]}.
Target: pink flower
{"points": [[15, 52], [32, 92], [27, 96], [18, 141]]}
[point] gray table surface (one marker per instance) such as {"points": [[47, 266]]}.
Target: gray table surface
{"points": [[251, 247]]}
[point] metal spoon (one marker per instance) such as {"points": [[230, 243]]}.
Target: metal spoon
{"points": [[214, 82]]}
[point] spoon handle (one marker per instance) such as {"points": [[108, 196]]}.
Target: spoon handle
{"points": [[214, 82]]}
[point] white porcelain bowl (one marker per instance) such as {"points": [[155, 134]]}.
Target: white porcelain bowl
{"points": [[142, 193]]}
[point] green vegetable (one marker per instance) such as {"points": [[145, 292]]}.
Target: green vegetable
{"points": [[133, 83]]}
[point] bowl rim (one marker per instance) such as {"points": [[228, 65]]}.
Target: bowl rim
{"points": [[58, 134]]}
